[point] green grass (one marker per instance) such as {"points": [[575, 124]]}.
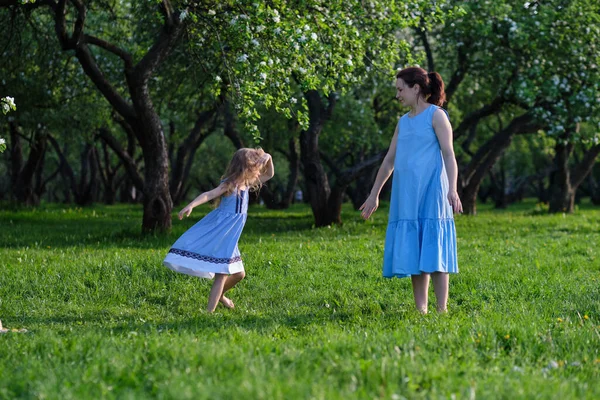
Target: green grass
{"points": [[313, 319]]}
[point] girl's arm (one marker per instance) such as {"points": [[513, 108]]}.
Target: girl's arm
{"points": [[443, 131], [268, 170], [203, 198], [386, 169]]}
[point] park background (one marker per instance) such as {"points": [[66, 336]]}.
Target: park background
{"points": [[116, 113]]}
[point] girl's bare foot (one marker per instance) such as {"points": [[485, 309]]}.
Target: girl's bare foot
{"points": [[226, 302]]}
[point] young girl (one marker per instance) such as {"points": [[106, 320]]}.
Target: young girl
{"points": [[421, 238], [209, 248]]}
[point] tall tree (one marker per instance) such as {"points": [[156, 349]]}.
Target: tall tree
{"points": [[74, 28], [513, 65], [293, 57]]}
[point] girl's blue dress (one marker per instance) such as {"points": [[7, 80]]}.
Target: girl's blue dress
{"points": [[420, 236], [211, 246]]}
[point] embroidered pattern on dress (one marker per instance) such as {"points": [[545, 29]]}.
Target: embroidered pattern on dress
{"points": [[239, 202], [200, 257]]}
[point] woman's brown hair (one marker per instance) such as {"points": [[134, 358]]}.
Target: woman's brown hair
{"points": [[431, 84]]}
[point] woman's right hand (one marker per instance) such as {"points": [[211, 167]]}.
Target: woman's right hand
{"points": [[187, 210], [369, 206]]}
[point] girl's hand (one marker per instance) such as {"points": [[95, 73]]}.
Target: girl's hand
{"points": [[264, 160], [455, 202], [369, 206], [186, 211]]}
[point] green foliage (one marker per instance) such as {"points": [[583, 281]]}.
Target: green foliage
{"points": [[50, 87], [8, 104], [541, 56], [269, 53], [313, 319]]}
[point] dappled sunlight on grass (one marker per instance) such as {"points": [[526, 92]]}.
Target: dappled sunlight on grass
{"points": [[313, 318]]}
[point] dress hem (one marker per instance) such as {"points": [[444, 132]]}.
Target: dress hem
{"points": [[200, 268]]}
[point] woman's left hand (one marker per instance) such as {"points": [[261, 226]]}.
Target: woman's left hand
{"points": [[187, 210], [455, 201]]}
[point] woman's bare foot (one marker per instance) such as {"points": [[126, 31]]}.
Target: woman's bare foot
{"points": [[226, 302]]}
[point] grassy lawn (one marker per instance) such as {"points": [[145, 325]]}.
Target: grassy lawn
{"points": [[313, 319]]}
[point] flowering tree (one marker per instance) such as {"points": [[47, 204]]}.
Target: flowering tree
{"points": [[294, 57], [277, 54], [517, 68], [273, 52], [8, 104]]}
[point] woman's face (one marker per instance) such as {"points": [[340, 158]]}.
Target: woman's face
{"points": [[405, 94]]}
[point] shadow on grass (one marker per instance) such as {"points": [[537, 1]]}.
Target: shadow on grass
{"points": [[207, 323], [37, 230]]}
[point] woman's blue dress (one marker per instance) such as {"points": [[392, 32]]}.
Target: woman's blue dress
{"points": [[420, 237]]}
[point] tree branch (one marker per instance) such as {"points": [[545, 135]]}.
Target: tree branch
{"points": [[125, 56], [168, 11], [458, 75], [230, 130], [90, 67], [86, 59], [332, 165], [584, 167], [79, 22], [350, 174], [522, 124], [475, 116], [28, 6], [162, 46], [128, 162], [66, 167], [423, 35]]}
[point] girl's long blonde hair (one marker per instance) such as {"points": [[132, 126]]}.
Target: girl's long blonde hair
{"points": [[243, 170]]}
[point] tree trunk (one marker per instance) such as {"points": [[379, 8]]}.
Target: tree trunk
{"points": [[468, 194], [23, 178], [565, 182], [471, 177], [344, 178], [359, 193], [183, 162], [283, 201], [561, 193], [468, 198], [108, 174], [157, 197], [595, 187], [326, 203], [86, 191], [16, 154], [500, 198], [139, 113], [294, 164], [315, 178], [132, 182], [334, 204]]}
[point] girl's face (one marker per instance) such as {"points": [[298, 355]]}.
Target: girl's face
{"points": [[407, 95], [256, 159], [256, 174]]}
